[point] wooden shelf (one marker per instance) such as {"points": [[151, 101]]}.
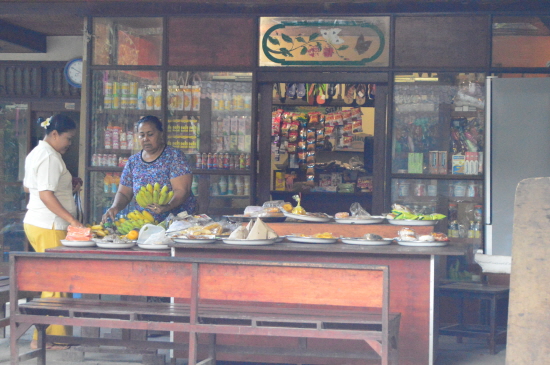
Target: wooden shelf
{"points": [[327, 193], [220, 172], [437, 176]]}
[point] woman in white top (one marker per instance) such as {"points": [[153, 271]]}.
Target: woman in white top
{"points": [[51, 207]]}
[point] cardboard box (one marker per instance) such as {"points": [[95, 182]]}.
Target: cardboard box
{"points": [[433, 161], [416, 162], [458, 162], [442, 160]]}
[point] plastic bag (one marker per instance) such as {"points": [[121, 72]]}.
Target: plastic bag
{"points": [[357, 211], [149, 230]]}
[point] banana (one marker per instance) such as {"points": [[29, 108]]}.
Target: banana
{"points": [[130, 215], [163, 198], [170, 195], [156, 187], [96, 227], [100, 233], [142, 188], [140, 199], [156, 197], [148, 197], [164, 189], [138, 215], [148, 217], [149, 188]]}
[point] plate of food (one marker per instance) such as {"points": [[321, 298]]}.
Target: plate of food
{"points": [[195, 239], [412, 222], [113, 244], [243, 218], [310, 217], [422, 243], [369, 239], [153, 246], [242, 242], [318, 238], [69, 243], [350, 220]]}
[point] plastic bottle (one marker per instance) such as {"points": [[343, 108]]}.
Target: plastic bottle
{"points": [[157, 102], [115, 181], [242, 162], [223, 185], [149, 98], [239, 186], [107, 183], [198, 162], [231, 185], [471, 232]]}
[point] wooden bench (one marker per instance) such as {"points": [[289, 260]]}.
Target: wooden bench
{"points": [[220, 296]]}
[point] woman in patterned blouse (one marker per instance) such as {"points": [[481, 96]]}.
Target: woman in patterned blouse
{"points": [[156, 162]]}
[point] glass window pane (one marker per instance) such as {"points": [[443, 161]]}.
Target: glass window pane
{"points": [[324, 42], [521, 41], [438, 123], [14, 124], [127, 41], [210, 115]]}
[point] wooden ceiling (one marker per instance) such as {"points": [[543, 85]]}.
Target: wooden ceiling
{"points": [[24, 24]]}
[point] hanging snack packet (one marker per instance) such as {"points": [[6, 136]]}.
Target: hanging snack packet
{"points": [[338, 118], [276, 122]]}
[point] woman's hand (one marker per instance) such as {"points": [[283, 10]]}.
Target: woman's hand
{"points": [[110, 214], [75, 223], [158, 209]]}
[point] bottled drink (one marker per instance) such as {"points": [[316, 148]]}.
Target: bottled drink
{"points": [[226, 161], [223, 185], [477, 230], [220, 161], [478, 213], [248, 161], [209, 161], [107, 183], [471, 230], [204, 161], [242, 162], [214, 160], [198, 161], [230, 185]]}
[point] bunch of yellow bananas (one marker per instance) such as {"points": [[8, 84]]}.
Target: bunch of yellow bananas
{"points": [[135, 220], [99, 230], [153, 194]]}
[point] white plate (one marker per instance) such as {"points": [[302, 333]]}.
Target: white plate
{"points": [[249, 242], [153, 247], [115, 245], [77, 243], [362, 241], [308, 218], [412, 222], [422, 243], [372, 220], [311, 239], [187, 240]]}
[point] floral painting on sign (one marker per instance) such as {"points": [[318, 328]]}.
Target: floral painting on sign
{"points": [[324, 42]]}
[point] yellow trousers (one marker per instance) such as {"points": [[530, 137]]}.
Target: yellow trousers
{"points": [[41, 239]]}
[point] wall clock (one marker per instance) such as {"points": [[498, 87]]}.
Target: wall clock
{"points": [[73, 72]]}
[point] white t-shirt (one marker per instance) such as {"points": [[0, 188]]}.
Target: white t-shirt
{"points": [[46, 170]]}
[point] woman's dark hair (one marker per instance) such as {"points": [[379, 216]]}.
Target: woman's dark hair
{"points": [[151, 119], [59, 122]]}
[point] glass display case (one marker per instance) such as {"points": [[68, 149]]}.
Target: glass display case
{"points": [[437, 150], [322, 141], [210, 120]]}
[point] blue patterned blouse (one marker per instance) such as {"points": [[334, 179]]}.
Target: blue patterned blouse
{"points": [[170, 164]]}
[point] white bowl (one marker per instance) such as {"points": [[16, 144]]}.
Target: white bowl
{"points": [[494, 263]]}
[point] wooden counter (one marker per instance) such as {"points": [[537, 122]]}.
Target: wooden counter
{"points": [[414, 273], [109, 251]]}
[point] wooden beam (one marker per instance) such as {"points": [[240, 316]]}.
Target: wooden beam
{"points": [[26, 38]]}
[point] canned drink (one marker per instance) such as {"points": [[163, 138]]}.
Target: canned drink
{"points": [[124, 88], [134, 88], [116, 86], [108, 102]]}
